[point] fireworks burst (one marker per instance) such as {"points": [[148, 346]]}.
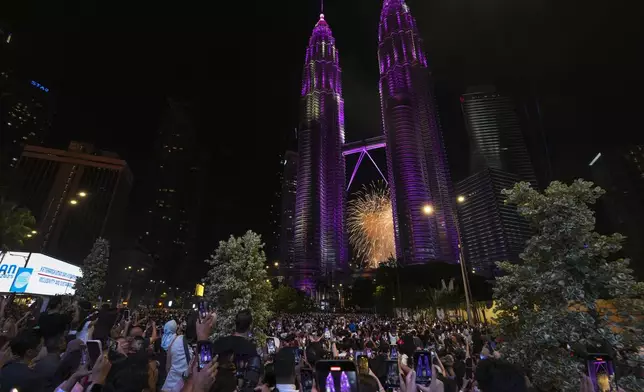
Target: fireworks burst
{"points": [[371, 225]]}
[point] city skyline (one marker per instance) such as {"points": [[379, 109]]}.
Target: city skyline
{"points": [[111, 84]]}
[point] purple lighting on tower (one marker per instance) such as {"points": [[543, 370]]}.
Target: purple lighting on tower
{"points": [[417, 164], [320, 241]]}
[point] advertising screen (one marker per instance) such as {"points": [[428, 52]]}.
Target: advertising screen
{"points": [[42, 275]]}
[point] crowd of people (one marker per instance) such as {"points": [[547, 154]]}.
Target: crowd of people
{"points": [[71, 347]]}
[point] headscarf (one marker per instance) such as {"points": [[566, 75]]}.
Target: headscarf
{"points": [[73, 345], [169, 333]]}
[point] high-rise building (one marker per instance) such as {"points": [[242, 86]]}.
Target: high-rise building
{"points": [[26, 108], [620, 172], [320, 239], [287, 218], [417, 163], [75, 195], [491, 230], [25, 117], [175, 196], [494, 128]]}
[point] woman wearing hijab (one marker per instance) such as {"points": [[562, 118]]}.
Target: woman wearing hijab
{"points": [[178, 357]]}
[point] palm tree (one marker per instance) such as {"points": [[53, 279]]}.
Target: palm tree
{"points": [[16, 224]]}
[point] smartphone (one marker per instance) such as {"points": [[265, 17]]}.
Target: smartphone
{"points": [[270, 345], [327, 333], [336, 376], [205, 354], [423, 367], [394, 353], [94, 349], [112, 345], [601, 372], [298, 352], [393, 375], [203, 309], [126, 314], [369, 353], [306, 378], [363, 364]]}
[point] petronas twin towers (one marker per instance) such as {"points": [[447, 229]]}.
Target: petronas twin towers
{"points": [[424, 224]]}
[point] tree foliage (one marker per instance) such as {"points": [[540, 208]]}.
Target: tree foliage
{"points": [[550, 299], [16, 223], [289, 300], [236, 281], [90, 285]]}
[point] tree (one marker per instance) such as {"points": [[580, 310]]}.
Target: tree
{"points": [[289, 300], [16, 224], [237, 280], [550, 299], [90, 285]]}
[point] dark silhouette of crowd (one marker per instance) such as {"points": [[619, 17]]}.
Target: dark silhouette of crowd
{"points": [[72, 347]]}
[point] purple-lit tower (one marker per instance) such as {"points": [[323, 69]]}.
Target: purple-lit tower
{"points": [[416, 159], [320, 239]]}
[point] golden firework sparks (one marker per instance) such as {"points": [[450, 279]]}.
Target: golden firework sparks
{"points": [[371, 226]]}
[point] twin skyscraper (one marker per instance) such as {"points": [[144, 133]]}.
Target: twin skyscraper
{"points": [[418, 173]]}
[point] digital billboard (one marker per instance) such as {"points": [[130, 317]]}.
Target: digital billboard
{"points": [[41, 275]]}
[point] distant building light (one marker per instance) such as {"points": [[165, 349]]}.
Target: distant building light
{"points": [[599, 154], [40, 86], [9, 38]]}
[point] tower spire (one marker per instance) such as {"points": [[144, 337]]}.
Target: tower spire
{"points": [[321, 7]]}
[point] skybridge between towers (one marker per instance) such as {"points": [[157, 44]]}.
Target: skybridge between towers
{"points": [[363, 147]]}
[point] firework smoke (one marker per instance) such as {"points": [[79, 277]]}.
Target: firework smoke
{"points": [[371, 225]]}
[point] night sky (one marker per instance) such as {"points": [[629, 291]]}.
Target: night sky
{"points": [[111, 65]]}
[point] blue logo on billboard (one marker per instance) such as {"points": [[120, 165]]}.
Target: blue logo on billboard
{"points": [[22, 280]]}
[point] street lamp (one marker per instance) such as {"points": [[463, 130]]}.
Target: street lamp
{"points": [[73, 202], [429, 210], [29, 235], [34, 232], [82, 194], [276, 264], [461, 260]]}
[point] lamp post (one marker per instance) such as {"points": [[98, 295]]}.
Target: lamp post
{"points": [[429, 210]]}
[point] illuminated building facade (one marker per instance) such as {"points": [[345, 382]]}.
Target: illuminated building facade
{"points": [[76, 195], [491, 230], [319, 232], [494, 128], [288, 194], [417, 163]]}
